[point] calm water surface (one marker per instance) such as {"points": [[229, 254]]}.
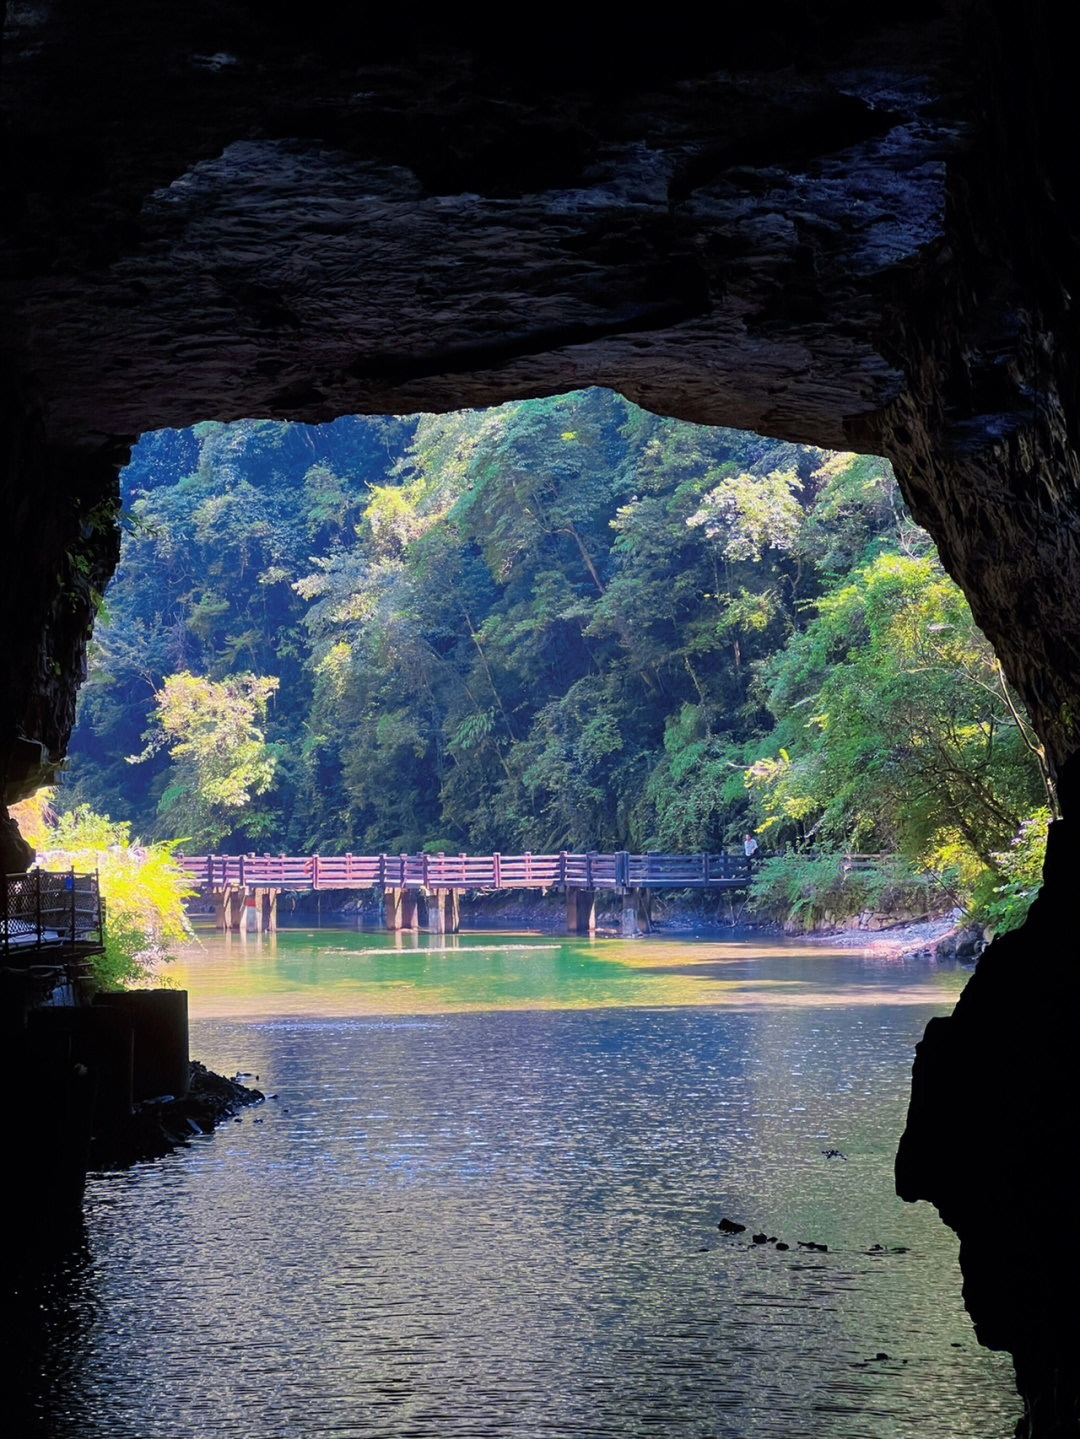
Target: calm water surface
{"points": [[484, 1202]]}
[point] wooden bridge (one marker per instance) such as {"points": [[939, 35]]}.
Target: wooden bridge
{"points": [[245, 887]]}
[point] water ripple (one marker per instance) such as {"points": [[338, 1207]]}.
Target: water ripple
{"points": [[504, 1223]]}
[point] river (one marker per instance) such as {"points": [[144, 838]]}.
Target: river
{"points": [[484, 1200]]}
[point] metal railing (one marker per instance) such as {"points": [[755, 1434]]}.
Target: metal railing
{"points": [[45, 913]]}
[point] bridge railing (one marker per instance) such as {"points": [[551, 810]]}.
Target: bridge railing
{"points": [[685, 871], [462, 871]]}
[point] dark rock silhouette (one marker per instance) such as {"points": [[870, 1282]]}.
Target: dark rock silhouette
{"points": [[858, 235], [1008, 1064], [155, 1128]]}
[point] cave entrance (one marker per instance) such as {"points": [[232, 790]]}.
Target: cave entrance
{"points": [[561, 624]]}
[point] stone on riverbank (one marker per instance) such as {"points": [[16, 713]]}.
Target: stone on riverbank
{"points": [[158, 1126]]}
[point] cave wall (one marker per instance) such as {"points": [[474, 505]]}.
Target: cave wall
{"points": [[986, 442], [62, 548], [843, 225]]}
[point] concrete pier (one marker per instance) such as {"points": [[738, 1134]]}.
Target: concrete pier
{"points": [[249, 919], [580, 910], [245, 909], [443, 911], [401, 908], [436, 911], [628, 927], [636, 913], [266, 904]]}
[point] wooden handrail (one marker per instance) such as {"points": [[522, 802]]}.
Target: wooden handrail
{"points": [[497, 871]]}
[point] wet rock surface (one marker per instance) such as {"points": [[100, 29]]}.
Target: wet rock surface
{"points": [[419, 230], [157, 1127]]}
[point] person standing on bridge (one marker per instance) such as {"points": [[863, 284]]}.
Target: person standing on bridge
{"points": [[750, 847]]}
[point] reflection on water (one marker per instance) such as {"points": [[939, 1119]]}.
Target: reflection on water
{"points": [[489, 1206], [347, 973]]}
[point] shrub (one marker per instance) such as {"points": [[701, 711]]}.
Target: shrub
{"points": [[800, 888], [142, 885], [1002, 900]]}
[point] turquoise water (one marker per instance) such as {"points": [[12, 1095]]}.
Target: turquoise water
{"points": [[484, 1202], [349, 972]]}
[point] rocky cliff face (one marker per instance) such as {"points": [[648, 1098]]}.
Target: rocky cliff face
{"points": [[840, 224], [987, 442], [991, 1129], [62, 546]]}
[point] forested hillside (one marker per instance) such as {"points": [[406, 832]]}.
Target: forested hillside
{"points": [[564, 623]]}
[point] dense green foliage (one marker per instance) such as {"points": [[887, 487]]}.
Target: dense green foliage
{"points": [[563, 623], [808, 888], [142, 885], [211, 729]]}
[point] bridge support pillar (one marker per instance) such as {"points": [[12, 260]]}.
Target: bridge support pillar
{"points": [[261, 914], [234, 908], [249, 914], [571, 910], [220, 921], [580, 910], [629, 926], [644, 897], [392, 907], [400, 908], [436, 911], [636, 906], [443, 911]]}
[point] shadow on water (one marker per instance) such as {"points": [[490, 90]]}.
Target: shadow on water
{"points": [[484, 1201], [49, 1311]]}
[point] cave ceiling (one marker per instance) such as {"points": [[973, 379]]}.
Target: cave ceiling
{"points": [[221, 219], [777, 220]]}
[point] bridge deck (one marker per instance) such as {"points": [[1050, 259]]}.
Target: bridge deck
{"points": [[619, 871]]}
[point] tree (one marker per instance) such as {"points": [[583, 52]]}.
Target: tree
{"points": [[220, 760], [562, 621], [894, 731]]}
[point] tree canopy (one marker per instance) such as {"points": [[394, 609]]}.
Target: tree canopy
{"points": [[563, 623]]}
